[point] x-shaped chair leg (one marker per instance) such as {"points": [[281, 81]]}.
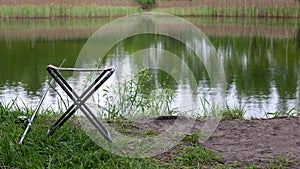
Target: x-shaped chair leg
{"points": [[79, 101]]}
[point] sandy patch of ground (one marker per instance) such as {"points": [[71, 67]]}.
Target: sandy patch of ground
{"points": [[245, 142], [257, 141]]}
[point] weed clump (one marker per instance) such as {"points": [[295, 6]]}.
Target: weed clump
{"points": [[137, 96], [230, 113]]}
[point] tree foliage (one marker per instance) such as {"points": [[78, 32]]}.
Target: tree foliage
{"points": [[147, 4]]}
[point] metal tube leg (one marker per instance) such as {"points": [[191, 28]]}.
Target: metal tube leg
{"points": [[96, 123], [79, 101], [59, 122]]}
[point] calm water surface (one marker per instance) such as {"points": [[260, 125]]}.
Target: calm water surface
{"points": [[260, 57]]}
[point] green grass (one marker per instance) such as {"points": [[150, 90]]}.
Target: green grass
{"points": [[280, 114], [196, 157], [138, 96], [275, 11], [46, 11], [70, 147], [230, 113], [283, 161]]}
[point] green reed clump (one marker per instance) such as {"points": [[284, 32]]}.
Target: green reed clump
{"points": [[45, 11], [140, 97], [280, 114], [35, 11], [250, 11], [220, 112], [96, 11], [137, 97], [230, 113]]}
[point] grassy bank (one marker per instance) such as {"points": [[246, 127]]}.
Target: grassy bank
{"points": [[46, 11], [72, 28], [94, 10], [272, 11], [70, 147]]}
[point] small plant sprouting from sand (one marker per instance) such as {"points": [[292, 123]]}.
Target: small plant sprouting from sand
{"points": [[236, 112]]}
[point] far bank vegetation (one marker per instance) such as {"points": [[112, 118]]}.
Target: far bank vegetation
{"points": [[107, 8]]}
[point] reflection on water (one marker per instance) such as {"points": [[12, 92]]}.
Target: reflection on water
{"points": [[23, 67], [262, 72]]}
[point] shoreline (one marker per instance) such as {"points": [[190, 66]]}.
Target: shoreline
{"points": [[235, 143], [30, 11], [83, 28]]}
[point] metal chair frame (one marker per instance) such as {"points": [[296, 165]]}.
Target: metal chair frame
{"points": [[79, 101]]}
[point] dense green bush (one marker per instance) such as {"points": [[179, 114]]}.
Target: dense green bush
{"points": [[147, 4]]}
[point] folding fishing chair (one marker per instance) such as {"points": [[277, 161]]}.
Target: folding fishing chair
{"points": [[79, 101]]}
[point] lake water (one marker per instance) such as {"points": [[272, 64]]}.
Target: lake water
{"points": [[260, 57]]}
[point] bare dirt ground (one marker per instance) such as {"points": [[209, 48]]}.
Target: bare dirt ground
{"points": [[258, 141], [245, 142]]}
